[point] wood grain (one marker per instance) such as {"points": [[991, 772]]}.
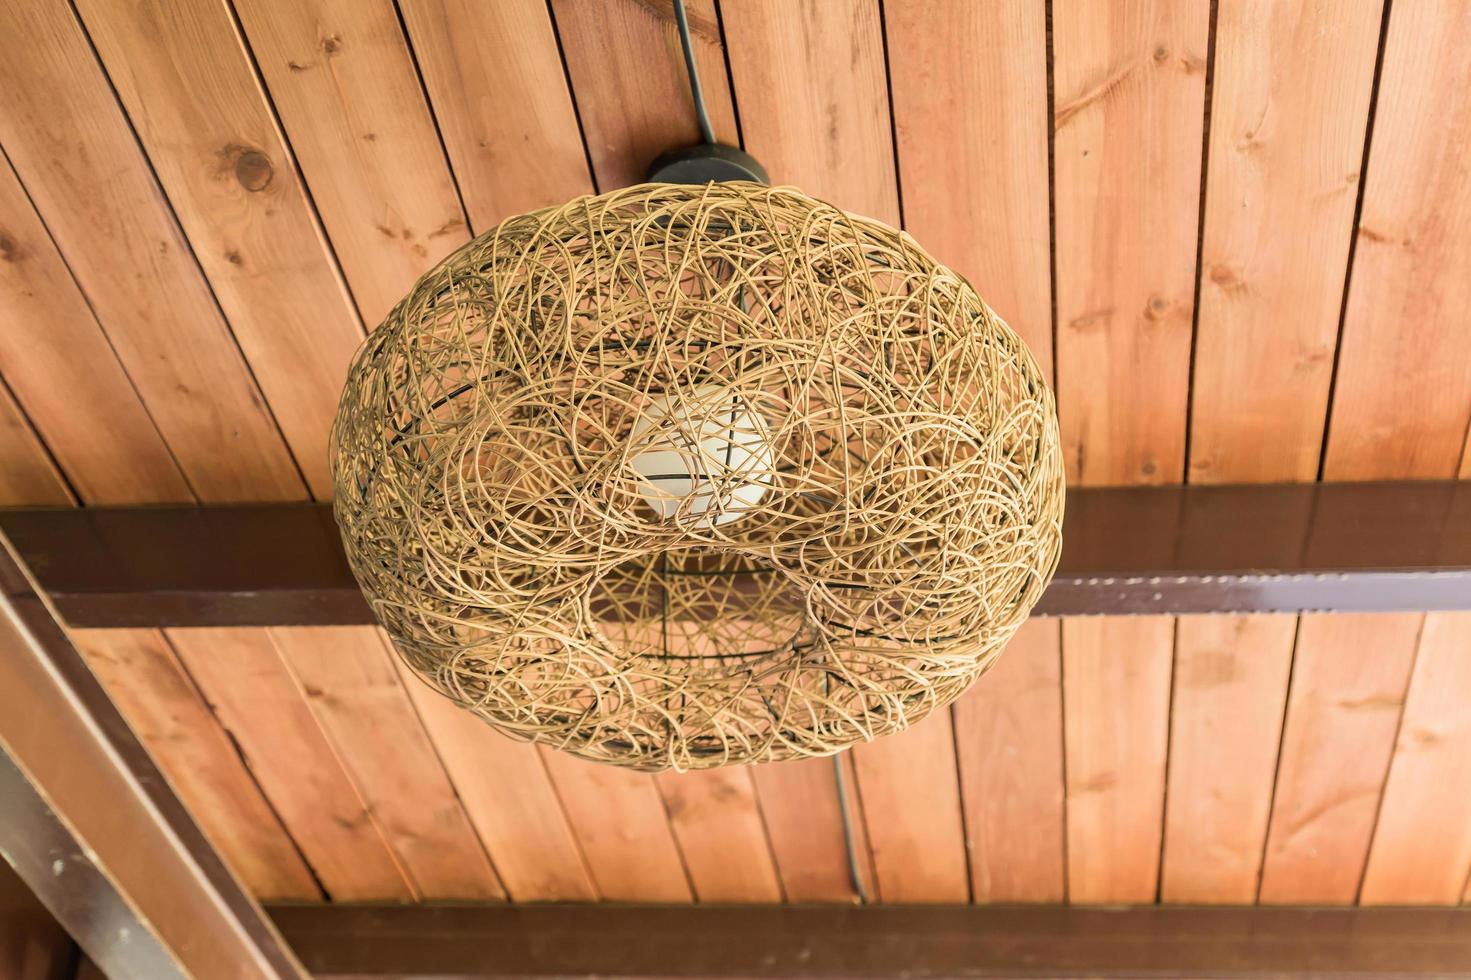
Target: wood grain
{"points": [[192, 94], [1289, 105], [804, 821], [1230, 686], [1421, 853], [718, 825], [628, 77], [1116, 703], [619, 820], [352, 688], [911, 804], [1403, 395], [971, 134], [343, 81], [1129, 102], [60, 366], [1008, 740], [243, 678], [1348, 687], [495, 79], [510, 799], [155, 694], [810, 81], [72, 147], [27, 475]]}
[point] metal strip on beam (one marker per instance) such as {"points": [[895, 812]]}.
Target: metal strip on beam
{"points": [[96, 831], [1374, 547], [876, 941]]}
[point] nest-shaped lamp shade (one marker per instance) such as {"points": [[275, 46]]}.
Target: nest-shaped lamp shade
{"points": [[688, 476]]}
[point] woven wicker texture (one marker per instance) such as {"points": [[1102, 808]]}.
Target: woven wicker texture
{"points": [[863, 497]]}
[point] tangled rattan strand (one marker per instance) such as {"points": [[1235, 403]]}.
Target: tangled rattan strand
{"points": [[910, 518]]}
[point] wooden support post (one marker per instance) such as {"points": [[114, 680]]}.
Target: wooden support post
{"points": [[93, 828]]}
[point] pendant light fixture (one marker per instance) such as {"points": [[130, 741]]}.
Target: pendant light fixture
{"points": [[696, 473]]}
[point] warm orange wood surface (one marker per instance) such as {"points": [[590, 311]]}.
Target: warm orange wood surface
{"points": [[1230, 686], [203, 204], [1116, 706], [1008, 740]]}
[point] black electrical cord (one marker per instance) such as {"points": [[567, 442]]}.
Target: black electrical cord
{"points": [[849, 841], [702, 115]]}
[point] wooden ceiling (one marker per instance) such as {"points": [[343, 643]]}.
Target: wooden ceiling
{"points": [[1238, 233]]}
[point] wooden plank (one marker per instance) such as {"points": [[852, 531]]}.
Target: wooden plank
{"points": [[33, 945], [628, 78], [1116, 706], [879, 941], [1129, 100], [804, 822], [810, 81], [718, 824], [1289, 105], [495, 79], [1008, 740], [975, 180], [245, 681], [355, 693], [105, 211], [61, 368], [145, 680], [1421, 853], [618, 818], [192, 94], [1403, 395], [343, 81], [911, 804], [27, 474], [510, 799], [1230, 686], [1348, 687]]}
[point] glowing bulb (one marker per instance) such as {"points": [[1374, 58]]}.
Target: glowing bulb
{"points": [[702, 455]]}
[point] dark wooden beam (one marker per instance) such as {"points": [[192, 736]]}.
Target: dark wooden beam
{"points": [[1343, 547], [875, 941], [94, 829]]}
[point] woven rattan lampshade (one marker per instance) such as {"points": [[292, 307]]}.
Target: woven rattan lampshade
{"points": [[687, 476]]}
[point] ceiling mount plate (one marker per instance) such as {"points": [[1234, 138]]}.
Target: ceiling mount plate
{"points": [[704, 162]]}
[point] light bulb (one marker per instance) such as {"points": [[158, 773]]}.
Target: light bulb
{"points": [[704, 445]]}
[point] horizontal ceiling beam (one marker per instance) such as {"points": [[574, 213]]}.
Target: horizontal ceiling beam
{"points": [[1174, 550], [874, 941]]}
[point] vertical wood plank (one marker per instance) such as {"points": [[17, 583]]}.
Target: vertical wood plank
{"points": [[804, 821], [971, 133], [245, 681], [1403, 395], [27, 475], [618, 817], [61, 368], [1348, 687], [71, 146], [911, 803], [1116, 703], [1289, 104], [495, 79], [719, 828], [510, 799], [629, 81], [342, 79], [144, 678], [1008, 739], [1129, 102], [1230, 686], [352, 688], [192, 94], [810, 82], [1421, 853]]}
